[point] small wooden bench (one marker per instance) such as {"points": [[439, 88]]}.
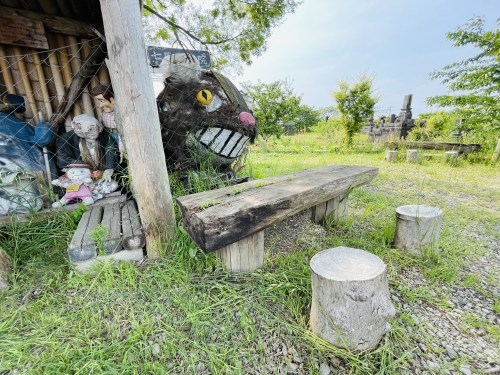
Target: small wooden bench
{"points": [[231, 220], [108, 229]]}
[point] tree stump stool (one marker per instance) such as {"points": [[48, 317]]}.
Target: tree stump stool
{"points": [[391, 155], [451, 156], [351, 304], [417, 227], [412, 156]]}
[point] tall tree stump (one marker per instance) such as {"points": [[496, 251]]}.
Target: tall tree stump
{"points": [[412, 156], [351, 304], [5, 269], [417, 227]]}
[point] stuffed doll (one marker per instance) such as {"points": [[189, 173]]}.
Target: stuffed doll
{"points": [[78, 184]]}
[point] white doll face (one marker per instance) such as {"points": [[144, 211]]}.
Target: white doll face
{"points": [[78, 174], [86, 126]]}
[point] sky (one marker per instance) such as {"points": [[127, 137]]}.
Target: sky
{"points": [[396, 42]]}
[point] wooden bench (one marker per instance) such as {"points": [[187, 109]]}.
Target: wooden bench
{"points": [[231, 220], [109, 229]]}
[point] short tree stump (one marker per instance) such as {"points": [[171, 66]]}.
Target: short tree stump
{"points": [[391, 155], [412, 156], [351, 304], [417, 227]]}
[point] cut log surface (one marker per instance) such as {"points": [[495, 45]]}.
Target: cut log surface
{"points": [[217, 218], [350, 304]]}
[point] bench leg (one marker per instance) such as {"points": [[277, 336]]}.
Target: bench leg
{"points": [[334, 209], [246, 255]]}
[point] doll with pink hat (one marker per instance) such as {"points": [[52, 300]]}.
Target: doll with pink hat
{"points": [[78, 184]]}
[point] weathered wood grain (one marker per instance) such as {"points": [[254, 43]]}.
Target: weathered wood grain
{"points": [[55, 24], [111, 222], [82, 246], [246, 255], [217, 218], [135, 104], [133, 236]]}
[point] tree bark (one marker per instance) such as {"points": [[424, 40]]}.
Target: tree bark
{"points": [[138, 122], [351, 304]]}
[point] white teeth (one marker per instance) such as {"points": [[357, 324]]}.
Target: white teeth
{"points": [[223, 142]]}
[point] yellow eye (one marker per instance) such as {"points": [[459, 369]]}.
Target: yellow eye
{"points": [[204, 97]]}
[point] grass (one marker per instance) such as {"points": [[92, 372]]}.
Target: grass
{"points": [[184, 315]]}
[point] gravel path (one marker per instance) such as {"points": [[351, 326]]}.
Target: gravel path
{"points": [[444, 339]]}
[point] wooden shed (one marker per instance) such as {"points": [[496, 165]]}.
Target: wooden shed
{"points": [[52, 52]]}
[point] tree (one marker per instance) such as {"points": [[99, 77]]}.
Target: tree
{"points": [[355, 104], [274, 104], [232, 30], [476, 80], [437, 125], [306, 117]]}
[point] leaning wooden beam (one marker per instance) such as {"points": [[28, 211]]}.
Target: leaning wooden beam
{"points": [[80, 80], [135, 104], [59, 25]]}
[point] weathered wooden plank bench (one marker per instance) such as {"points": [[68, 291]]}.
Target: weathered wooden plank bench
{"points": [[105, 231], [231, 220]]}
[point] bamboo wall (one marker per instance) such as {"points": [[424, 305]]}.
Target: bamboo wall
{"points": [[42, 76]]}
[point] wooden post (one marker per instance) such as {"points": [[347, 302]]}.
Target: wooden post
{"points": [[246, 255], [334, 209], [138, 122], [350, 305]]}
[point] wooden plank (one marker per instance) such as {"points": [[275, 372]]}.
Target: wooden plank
{"points": [[318, 213], [75, 252], [46, 214], [111, 222], [55, 24], [22, 31], [217, 218], [133, 236], [88, 243]]}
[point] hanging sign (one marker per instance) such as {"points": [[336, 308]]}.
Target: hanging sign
{"points": [[156, 55]]}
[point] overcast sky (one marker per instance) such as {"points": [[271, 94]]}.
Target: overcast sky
{"points": [[397, 42]]}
